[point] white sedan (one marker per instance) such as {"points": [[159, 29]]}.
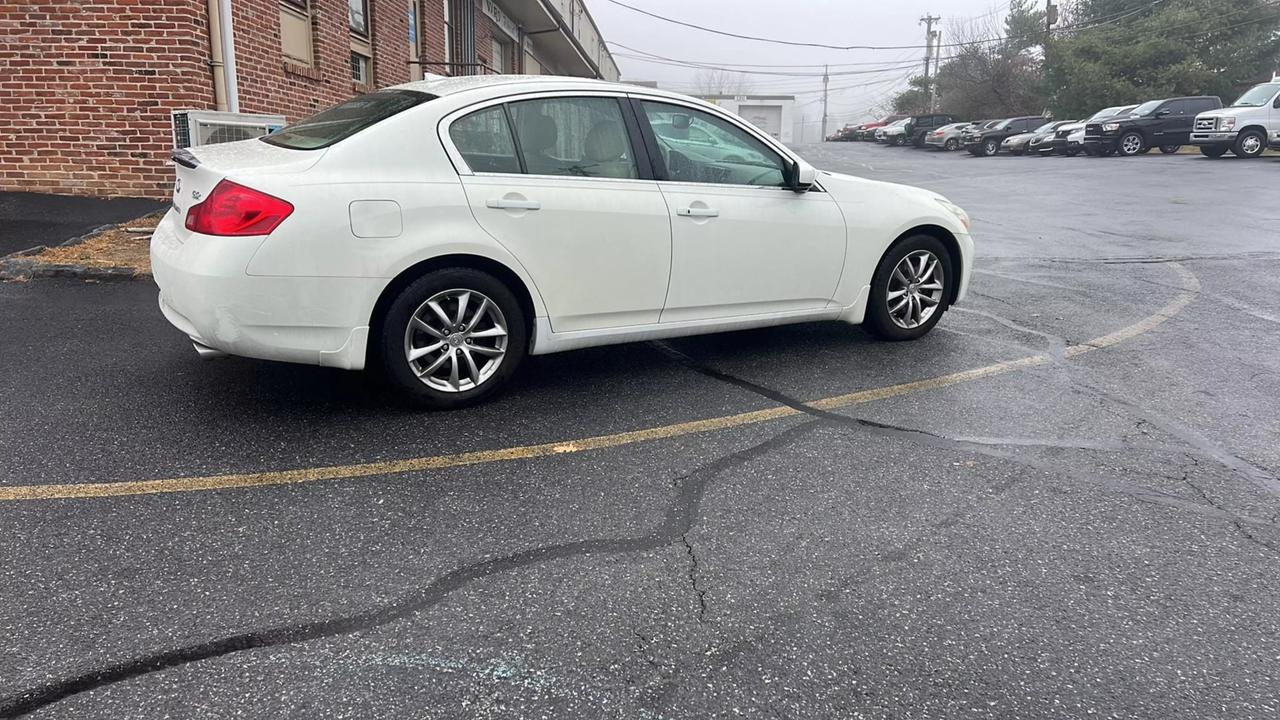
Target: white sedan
{"points": [[439, 231]]}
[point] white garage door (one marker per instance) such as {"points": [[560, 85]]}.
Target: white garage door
{"points": [[766, 117]]}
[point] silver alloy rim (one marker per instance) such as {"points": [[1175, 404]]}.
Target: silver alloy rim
{"points": [[456, 340], [915, 289], [1251, 145], [1132, 144]]}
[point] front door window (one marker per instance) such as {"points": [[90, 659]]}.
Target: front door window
{"points": [[733, 157]]}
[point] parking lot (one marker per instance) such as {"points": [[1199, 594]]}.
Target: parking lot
{"points": [[1062, 502]]}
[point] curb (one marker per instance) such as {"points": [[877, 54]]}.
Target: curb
{"points": [[20, 268]]}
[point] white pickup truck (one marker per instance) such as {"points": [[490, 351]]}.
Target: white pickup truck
{"points": [[1245, 128]]}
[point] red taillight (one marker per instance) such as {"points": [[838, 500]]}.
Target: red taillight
{"points": [[235, 210]]}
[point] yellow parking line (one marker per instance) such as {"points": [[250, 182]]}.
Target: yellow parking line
{"points": [[1189, 286]]}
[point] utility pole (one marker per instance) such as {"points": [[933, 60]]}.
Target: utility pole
{"points": [[826, 77], [929, 37]]}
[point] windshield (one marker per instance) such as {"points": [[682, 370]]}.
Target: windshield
{"points": [[1046, 127], [1002, 124], [346, 119], [1258, 96], [1148, 107], [1106, 113]]}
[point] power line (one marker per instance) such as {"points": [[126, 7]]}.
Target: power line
{"points": [[726, 64], [887, 68], [1081, 26]]}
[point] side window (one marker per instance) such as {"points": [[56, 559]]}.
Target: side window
{"points": [[736, 157], [484, 140], [584, 137], [1175, 107], [1203, 105]]}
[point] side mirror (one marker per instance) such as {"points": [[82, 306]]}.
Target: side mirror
{"points": [[802, 176]]}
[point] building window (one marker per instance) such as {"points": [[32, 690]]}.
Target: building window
{"points": [[360, 69], [358, 16], [295, 32], [448, 35], [501, 61]]}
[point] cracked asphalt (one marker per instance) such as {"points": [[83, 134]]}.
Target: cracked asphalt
{"points": [[1094, 535]]}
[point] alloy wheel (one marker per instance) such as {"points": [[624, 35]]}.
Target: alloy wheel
{"points": [[915, 289], [1251, 145], [1131, 144], [456, 340]]}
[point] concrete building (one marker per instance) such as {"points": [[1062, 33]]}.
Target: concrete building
{"points": [[87, 88], [771, 113]]}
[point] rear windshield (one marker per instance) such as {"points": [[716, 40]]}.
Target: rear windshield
{"points": [[342, 121]]}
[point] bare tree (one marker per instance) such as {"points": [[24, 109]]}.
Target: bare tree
{"points": [[721, 82]]}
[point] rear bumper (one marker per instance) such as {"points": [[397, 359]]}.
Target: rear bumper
{"points": [[206, 294]]}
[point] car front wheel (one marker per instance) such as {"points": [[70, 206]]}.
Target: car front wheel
{"points": [[990, 148], [952, 144], [909, 291], [1170, 149], [1250, 144], [452, 338], [1213, 151], [1131, 144]]}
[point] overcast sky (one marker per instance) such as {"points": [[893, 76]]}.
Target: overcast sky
{"points": [[835, 22]]}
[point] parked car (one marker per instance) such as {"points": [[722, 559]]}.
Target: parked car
{"points": [[1245, 128], [1041, 142], [844, 134], [1069, 139], [1165, 124], [947, 137], [894, 133], [354, 239], [987, 142], [867, 131], [919, 127]]}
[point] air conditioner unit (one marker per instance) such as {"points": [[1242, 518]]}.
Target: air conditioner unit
{"points": [[193, 128]]}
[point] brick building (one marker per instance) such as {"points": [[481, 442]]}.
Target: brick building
{"points": [[87, 87]]}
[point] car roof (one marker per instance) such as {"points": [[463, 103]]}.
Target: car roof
{"points": [[442, 86]]}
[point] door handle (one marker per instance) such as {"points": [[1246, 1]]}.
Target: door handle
{"points": [[513, 204], [698, 212]]}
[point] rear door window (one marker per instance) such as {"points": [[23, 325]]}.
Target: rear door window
{"points": [[577, 136], [346, 119], [484, 140]]}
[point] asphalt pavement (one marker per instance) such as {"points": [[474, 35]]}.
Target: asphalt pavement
{"points": [[28, 220], [1062, 503]]}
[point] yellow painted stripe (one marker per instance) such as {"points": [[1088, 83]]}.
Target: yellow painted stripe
{"points": [[1190, 285]]}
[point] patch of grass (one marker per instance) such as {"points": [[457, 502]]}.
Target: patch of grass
{"points": [[114, 248]]}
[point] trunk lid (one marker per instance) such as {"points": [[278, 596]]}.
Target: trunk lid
{"points": [[200, 169]]}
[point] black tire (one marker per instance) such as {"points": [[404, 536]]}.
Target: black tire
{"points": [[1104, 152], [952, 145], [1132, 144], [878, 320], [391, 345], [1017, 153], [990, 148], [1071, 152], [918, 141], [1244, 148], [895, 141], [1170, 149], [1213, 151]]}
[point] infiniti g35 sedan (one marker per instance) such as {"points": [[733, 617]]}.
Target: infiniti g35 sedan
{"points": [[440, 231]]}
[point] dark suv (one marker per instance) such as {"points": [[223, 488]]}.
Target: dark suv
{"points": [[922, 125], [1165, 124], [986, 142]]}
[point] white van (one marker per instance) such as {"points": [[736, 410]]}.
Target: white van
{"points": [[1245, 128]]}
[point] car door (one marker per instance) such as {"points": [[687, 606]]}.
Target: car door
{"points": [[557, 182], [1170, 121], [742, 243]]}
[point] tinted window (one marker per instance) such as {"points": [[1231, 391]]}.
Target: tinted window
{"points": [[1200, 105], [736, 159], [484, 140], [585, 137], [1175, 107], [342, 121]]}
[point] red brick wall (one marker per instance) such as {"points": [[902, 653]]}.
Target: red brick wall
{"points": [[86, 86]]}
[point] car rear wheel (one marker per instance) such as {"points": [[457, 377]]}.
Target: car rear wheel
{"points": [[1250, 144], [991, 148], [1213, 151], [952, 144], [1071, 152], [452, 338], [909, 291], [1131, 144], [1170, 149]]}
